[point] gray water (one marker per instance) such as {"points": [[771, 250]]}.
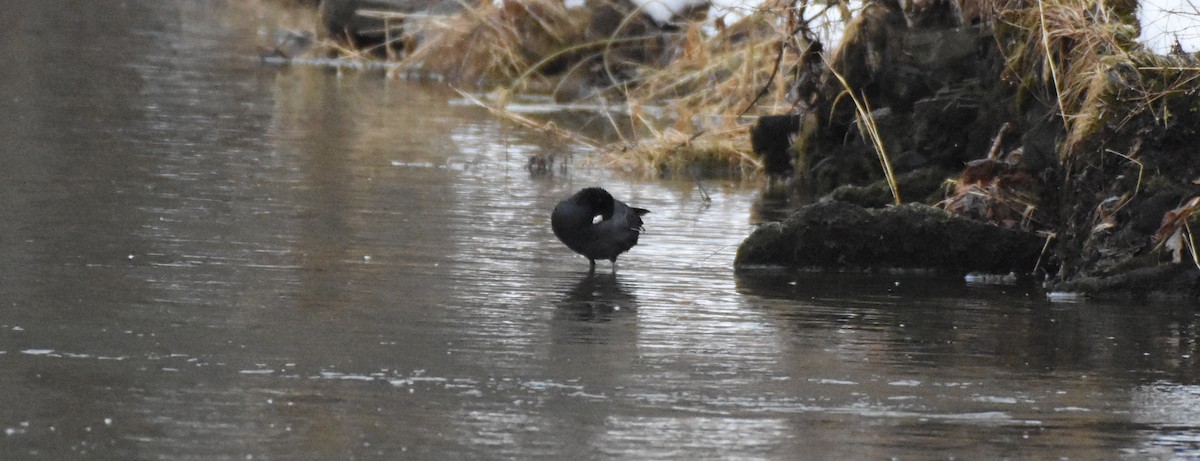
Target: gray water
{"points": [[205, 257]]}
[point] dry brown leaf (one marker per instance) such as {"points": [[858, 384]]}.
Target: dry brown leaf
{"points": [[1173, 221]]}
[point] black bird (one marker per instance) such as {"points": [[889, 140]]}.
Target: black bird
{"points": [[574, 222]]}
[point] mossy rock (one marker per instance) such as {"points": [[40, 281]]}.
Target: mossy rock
{"points": [[837, 235]]}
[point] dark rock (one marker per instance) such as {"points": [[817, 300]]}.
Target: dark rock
{"points": [[1039, 140], [1171, 280], [921, 185], [933, 14], [771, 138], [934, 95], [836, 235], [847, 164], [935, 90], [946, 56], [621, 40], [909, 161], [871, 56], [946, 98], [943, 128], [611, 19]]}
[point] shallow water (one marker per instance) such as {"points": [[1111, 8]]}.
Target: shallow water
{"points": [[205, 257]]}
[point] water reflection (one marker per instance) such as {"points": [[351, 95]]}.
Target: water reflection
{"points": [[929, 355], [598, 297], [210, 259], [1167, 414]]}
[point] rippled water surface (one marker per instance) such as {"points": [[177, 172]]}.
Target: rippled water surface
{"points": [[205, 257]]}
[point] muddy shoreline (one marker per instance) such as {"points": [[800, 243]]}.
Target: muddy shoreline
{"points": [[1095, 170], [1053, 127]]}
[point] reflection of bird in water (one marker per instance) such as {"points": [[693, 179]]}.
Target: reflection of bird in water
{"points": [[575, 223], [597, 298]]}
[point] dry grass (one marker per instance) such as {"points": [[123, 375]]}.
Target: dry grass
{"points": [[705, 90], [1087, 54], [868, 129], [704, 81], [1101, 79], [1070, 45], [1176, 234], [708, 79], [707, 83], [508, 44], [723, 153], [742, 67], [491, 42]]}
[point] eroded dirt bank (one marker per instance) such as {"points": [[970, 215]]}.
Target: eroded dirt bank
{"points": [[1049, 122]]}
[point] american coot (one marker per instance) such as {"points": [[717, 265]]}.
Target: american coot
{"points": [[574, 222]]}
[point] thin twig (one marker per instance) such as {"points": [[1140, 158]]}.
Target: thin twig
{"points": [[766, 88], [1049, 236], [1191, 244], [998, 141]]}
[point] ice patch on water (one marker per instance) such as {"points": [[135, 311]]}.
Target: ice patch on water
{"points": [[995, 399], [343, 376], [543, 385], [68, 355], [979, 278], [1065, 297]]}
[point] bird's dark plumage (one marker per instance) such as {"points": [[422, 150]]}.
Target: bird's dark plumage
{"points": [[575, 222]]}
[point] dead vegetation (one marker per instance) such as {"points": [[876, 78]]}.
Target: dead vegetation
{"points": [[492, 41], [711, 78], [1083, 56], [706, 81], [1126, 155], [1043, 115]]}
